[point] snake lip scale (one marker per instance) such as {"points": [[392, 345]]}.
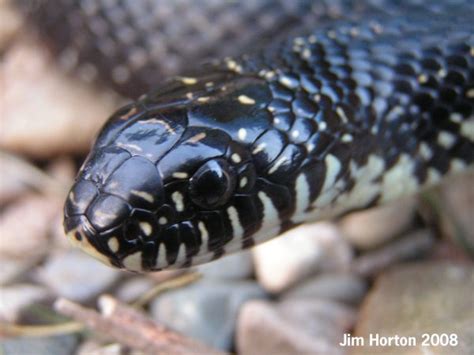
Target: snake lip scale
{"points": [[350, 115]]}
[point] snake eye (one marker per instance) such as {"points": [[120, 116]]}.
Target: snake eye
{"points": [[212, 184]]}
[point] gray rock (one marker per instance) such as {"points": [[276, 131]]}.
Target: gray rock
{"points": [[13, 267], [57, 345], [14, 298], [293, 327], [299, 253], [456, 210], [206, 310], [77, 276], [371, 228], [234, 266], [413, 299], [133, 288], [24, 226], [342, 287]]}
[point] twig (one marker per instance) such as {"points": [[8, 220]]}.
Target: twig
{"points": [[407, 247], [11, 330], [130, 327], [176, 282]]}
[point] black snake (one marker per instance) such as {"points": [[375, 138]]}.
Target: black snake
{"points": [[369, 104]]}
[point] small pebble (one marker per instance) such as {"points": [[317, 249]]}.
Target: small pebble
{"points": [[206, 310], [77, 276], [299, 253]]}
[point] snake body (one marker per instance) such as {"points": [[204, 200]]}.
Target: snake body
{"points": [[351, 114]]}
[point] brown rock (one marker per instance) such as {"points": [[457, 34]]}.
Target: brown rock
{"points": [[24, 226], [414, 299], [456, 210], [299, 253], [292, 327], [45, 112], [371, 228]]}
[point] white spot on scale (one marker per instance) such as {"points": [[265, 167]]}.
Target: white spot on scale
{"points": [[162, 220], [456, 165], [456, 117], [236, 158], [295, 133], [245, 100], [432, 176], [470, 94], [198, 137], [422, 78], [180, 175], [342, 114], [322, 126], [243, 182], [144, 195], [467, 129], [130, 146], [276, 121], [346, 138], [177, 198], [446, 139], [442, 73], [259, 148], [278, 163], [133, 262], [287, 82], [146, 228], [269, 75], [203, 99], [237, 229], [306, 54], [188, 80], [425, 152], [113, 244], [242, 134]]}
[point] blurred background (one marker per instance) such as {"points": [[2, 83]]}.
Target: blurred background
{"points": [[401, 269]]}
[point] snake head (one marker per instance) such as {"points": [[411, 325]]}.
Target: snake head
{"points": [[156, 193]]}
